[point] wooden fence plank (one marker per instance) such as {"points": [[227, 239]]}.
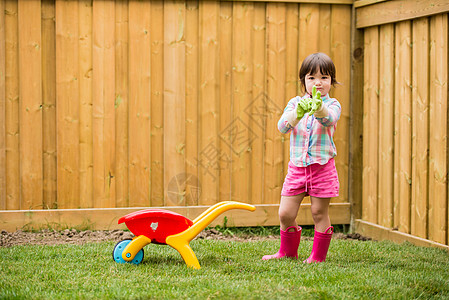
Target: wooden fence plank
{"points": [[292, 72], [275, 66], [121, 102], [438, 201], [86, 103], [370, 126], [309, 27], [263, 110], [239, 135], [157, 106], [225, 48], [420, 127], [49, 103], [67, 101], [139, 108], [174, 101], [402, 144], [209, 101], [192, 100], [386, 118], [399, 10], [2, 109], [30, 89], [324, 42], [12, 106], [103, 110], [340, 44]]}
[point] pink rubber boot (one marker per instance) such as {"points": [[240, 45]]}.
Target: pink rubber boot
{"points": [[321, 241], [289, 244]]}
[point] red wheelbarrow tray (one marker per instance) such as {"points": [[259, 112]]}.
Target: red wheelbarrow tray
{"points": [[162, 226]]}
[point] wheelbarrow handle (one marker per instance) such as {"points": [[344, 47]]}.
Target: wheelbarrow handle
{"points": [[212, 213], [181, 240], [209, 210]]}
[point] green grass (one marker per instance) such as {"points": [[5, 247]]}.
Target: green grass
{"points": [[230, 270]]}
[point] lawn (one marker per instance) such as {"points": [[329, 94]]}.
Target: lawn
{"points": [[230, 270]]}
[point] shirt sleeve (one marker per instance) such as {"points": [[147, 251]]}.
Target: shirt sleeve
{"points": [[334, 112], [287, 118]]}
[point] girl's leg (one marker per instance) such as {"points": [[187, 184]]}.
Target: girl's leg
{"points": [[290, 231], [288, 210], [320, 213], [323, 229]]}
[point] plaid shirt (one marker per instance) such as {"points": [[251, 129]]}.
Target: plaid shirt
{"points": [[311, 140]]}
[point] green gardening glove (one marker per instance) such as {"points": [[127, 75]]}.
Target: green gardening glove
{"points": [[303, 108], [315, 102]]}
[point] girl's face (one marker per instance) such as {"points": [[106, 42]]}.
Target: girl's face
{"points": [[322, 83]]}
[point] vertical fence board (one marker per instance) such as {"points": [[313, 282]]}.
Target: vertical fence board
{"points": [[209, 101], [263, 109], [239, 134], [49, 103], [386, 108], [292, 72], [157, 106], [340, 43], [174, 101], [275, 61], [67, 102], [324, 40], [12, 106], [139, 106], [438, 201], [225, 48], [420, 127], [2, 108], [86, 100], [103, 109], [30, 91], [370, 126], [192, 94], [402, 143], [121, 102], [309, 27]]}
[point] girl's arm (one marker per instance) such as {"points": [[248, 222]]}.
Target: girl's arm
{"points": [[329, 113], [289, 118]]}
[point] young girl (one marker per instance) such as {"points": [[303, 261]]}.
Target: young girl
{"points": [[311, 169]]}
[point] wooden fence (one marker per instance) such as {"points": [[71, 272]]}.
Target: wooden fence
{"points": [[117, 104], [405, 119]]}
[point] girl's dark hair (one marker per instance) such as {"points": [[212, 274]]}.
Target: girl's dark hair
{"points": [[314, 61]]}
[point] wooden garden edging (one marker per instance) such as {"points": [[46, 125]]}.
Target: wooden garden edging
{"points": [[106, 218]]}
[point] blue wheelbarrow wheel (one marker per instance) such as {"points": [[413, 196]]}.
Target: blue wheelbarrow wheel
{"points": [[118, 251]]}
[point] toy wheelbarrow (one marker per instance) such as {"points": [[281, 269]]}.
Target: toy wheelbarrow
{"points": [[165, 227]]}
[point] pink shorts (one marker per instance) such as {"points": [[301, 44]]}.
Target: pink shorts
{"points": [[315, 180]]}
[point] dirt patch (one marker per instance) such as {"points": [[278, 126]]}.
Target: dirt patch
{"points": [[53, 237], [72, 236]]}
